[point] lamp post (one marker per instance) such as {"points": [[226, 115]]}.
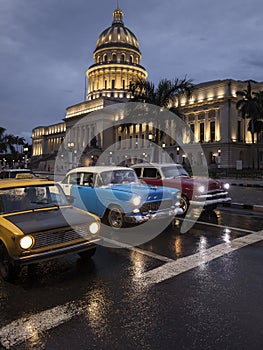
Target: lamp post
{"points": [[163, 152], [110, 161], [25, 159], [177, 155], [70, 148], [219, 158]]}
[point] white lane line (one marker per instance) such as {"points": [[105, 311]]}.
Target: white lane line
{"points": [[217, 225], [181, 265], [32, 326], [25, 328], [138, 250]]}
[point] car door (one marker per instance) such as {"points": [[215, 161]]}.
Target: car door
{"points": [[86, 194], [70, 180], [152, 176]]}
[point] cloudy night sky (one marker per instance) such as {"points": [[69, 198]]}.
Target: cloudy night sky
{"points": [[46, 47]]}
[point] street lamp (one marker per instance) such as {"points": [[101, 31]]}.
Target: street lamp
{"points": [[219, 158], [177, 155], [163, 152], [70, 148], [25, 152]]}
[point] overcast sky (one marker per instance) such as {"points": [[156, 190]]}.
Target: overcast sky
{"points": [[47, 45]]}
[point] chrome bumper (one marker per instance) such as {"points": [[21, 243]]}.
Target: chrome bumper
{"points": [[160, 214], [56, 253], [208, 202]]}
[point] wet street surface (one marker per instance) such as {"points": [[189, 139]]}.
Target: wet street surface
{"points": [[196, 290]]}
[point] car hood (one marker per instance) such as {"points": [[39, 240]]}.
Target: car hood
{"points": [[44, 220], [191, 182], [145, 191]]}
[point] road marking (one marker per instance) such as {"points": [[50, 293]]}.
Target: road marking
{"points": [[138, 250], [25, 328], [32, 326], [181, 265]]}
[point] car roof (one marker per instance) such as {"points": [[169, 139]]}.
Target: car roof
{"points": [[16, 170], [97, 169], [155, 165], [9, 183]]}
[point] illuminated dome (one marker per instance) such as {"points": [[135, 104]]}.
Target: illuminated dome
{"points": [[117, 34], [116, 62]]}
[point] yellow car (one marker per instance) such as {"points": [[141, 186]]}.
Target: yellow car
{"points": [[38, 223]]}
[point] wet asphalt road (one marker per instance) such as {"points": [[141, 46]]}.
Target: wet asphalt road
{"points": [[178, 291]]}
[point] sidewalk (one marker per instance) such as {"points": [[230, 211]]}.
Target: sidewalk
{"points": [[245, 194]]}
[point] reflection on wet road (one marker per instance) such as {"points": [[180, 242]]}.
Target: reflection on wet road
{"points": [[172, 292]]}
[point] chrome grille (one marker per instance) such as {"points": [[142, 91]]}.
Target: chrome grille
{"points": [[155, 206], [46, 239]]}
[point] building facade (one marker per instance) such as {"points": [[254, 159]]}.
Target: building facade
{"points": [[210, 114]]}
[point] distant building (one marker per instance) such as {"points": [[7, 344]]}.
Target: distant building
{"points": [[210, 114]]}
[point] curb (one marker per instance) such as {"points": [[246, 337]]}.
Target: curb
{"points": [[246, 185], [258, 208]]}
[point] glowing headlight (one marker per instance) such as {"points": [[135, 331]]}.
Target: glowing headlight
{"points": [[26, 242], [201, 189], [94, 228], [136, 201], [226, 186]]}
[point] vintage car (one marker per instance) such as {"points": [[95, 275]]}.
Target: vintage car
{"points": [[117, 196], [13, 173], [38, 223], [198, 191]]}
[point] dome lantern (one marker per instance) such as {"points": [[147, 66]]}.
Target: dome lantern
{"points": [[117, 16]]}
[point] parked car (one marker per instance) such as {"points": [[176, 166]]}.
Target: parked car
{"points": [[193, 188], [12, 173], [117, 196], [38, 223]]}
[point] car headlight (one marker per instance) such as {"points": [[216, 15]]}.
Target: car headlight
{"points": [[201, 189], [26, 242], [226, 186], [136, 201], [94, 228]]}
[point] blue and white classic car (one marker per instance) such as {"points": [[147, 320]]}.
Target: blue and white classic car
{"points": [[117, 196]]}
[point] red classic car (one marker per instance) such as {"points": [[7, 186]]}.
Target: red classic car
{"points": [[198, 191]]}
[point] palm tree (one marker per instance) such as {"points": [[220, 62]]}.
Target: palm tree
{"points": [[250, 106], [162, 95], [247, 106]]}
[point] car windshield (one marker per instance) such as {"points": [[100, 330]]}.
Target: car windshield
{"points": [[174, 171], [113, 177], [31, 197]]}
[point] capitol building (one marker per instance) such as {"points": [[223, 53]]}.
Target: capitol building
{"points": [[86, 132]]}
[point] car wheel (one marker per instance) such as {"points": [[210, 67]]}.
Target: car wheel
{"points": [[87, 254], [115, 217], [184, 204], [8, 270]]}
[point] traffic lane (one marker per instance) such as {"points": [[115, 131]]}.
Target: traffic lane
{"points": [[70, 278], [209, 229], [215, 306], [246, 195]]}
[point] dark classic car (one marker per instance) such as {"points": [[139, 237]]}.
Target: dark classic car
{"points": [[117, 196], [197, 191], [38, 223]]}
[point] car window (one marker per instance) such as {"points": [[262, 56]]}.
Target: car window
{"points": [[151, 172], [174, 171], [74, 179], [88, 179], [138, 171]]}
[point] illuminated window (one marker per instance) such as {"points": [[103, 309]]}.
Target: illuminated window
{"points": [[212, 131], [202, 132]]}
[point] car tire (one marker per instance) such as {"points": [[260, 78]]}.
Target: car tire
{"points": [[115, 217], [8, 270], [184, 204], [87, 254]]}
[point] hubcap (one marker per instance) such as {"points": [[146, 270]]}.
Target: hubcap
{"points": [[115, 218]]}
